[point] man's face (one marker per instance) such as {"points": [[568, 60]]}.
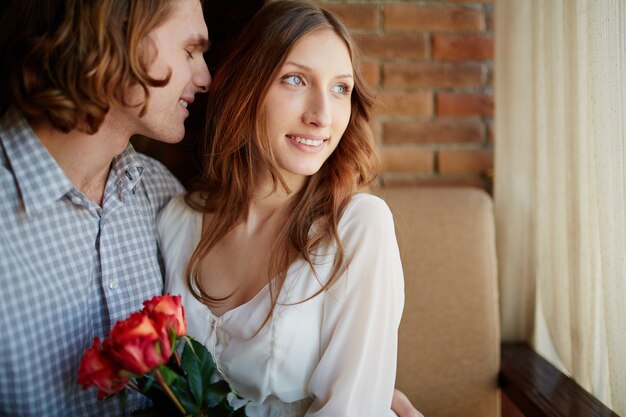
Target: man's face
{"points": [[179, 45]]}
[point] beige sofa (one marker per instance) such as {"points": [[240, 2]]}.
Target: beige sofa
{"points": [[449, 346]]}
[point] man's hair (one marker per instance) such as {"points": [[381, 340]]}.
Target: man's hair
{"points": [[71, 60]]}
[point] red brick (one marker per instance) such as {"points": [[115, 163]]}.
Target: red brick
{"points": [[490, 136], [459, 161], [418, 103], [468, 1], [438, 181], [464, 104], [406, 159], [371, 72], [436, 75], [462, 47], [355, 16], [433, 18], [434, 131], [407, 46]]}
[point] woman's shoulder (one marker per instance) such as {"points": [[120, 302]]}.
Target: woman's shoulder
{"points": [[368, 200], [177, 216], [366, 217], [175, 207], [368, 208]]}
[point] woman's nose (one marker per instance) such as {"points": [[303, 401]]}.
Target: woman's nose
{"points": [[318, 110]]}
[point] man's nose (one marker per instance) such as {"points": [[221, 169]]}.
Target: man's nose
{"points": [[202, 78]]}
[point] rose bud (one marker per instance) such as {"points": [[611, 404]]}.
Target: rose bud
{"points": [[162, 325], [170, 306], [138, 344], [98, 369]]}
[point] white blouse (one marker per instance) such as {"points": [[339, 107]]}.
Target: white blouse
{"points": [[334, 355]]}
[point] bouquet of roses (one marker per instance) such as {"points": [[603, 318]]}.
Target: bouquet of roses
{"points": [[142, 353]]}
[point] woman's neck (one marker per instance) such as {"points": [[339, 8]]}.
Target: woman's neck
{"points": [[270, 202]]}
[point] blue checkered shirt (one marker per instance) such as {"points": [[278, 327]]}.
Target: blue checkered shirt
{"points": [[69, 269]]}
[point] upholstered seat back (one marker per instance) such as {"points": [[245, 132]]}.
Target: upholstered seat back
{"points": [[449, 335]]}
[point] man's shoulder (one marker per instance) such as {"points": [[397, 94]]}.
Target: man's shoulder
{"points": [[158, 182], [11, 201], [156, 169]]}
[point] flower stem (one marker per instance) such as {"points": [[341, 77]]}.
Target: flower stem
{"points": [[177, 359], [169, 392]]}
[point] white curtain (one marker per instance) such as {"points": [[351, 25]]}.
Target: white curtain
{"points": [[560, 185]]}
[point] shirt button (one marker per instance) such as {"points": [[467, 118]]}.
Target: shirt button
{"points": [[113, 284], [222, 336], [77, 201]]}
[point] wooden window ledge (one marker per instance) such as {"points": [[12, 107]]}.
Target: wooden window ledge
{"points": [[538, 389]]}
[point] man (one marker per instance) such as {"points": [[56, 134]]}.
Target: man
{"points": [[78, 208], [77, 216]]}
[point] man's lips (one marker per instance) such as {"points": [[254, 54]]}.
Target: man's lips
{"points": [[185, 101]]}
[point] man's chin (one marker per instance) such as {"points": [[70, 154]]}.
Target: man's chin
{"points": [[171, 138]]}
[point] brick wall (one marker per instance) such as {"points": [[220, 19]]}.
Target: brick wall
{"points": [[431, 66]]}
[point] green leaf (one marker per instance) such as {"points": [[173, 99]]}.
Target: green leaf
{"points": [[169, 375], [147, 413], [216, 392], [181, 390], [199, 366], [199, 388], [220, 412], [148, 385], [241, 412], [122, 397], [162, 405]]}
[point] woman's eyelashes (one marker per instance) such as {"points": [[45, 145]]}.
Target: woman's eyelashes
{"points": [[342, 88], [189, 54], [295, 80], [298, 80]]}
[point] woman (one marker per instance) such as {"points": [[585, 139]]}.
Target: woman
{"points": [[289, 274]]}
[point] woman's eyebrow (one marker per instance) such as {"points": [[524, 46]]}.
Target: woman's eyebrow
{"points": [[309, 69]]}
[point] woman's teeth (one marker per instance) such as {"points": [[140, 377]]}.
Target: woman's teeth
{"points": [[309, 142], [183, 103]]}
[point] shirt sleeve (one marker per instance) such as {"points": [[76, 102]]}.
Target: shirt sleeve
{"points": [[356, 372]]}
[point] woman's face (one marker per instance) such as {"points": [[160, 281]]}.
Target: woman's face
{"points": [[308, 104]]}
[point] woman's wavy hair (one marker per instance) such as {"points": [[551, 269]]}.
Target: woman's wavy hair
{"points": [[236, 138], [71, 60]]}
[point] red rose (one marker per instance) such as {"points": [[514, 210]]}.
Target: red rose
{"points": [[98, 369], [170, 306], [139, 344]]}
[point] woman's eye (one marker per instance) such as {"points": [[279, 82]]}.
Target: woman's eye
{"points": [[293, 79], [343, 89]]}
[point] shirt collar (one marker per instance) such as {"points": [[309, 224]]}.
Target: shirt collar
{"points": [[40, 180], [127, 168]]}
